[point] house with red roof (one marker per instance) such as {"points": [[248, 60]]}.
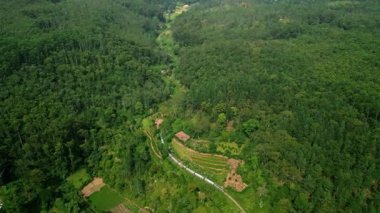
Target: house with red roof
{"points": [[182, 136], [158, 122]]}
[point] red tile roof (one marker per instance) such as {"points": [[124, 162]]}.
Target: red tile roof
{"points": [[158, 122], [182, 136]]}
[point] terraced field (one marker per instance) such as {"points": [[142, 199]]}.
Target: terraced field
{"points": [[215, 166]]}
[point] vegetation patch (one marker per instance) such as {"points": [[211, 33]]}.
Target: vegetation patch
{"points": [[149, 132], [79, 178], [199, 145], [105, 199], [343, 4], [228, 148], [178, 11]]}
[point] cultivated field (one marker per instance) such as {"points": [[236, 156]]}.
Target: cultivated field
{"points": [[199, 145], [214, 166]]}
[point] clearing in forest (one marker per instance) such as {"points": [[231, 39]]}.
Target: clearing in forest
{"points": [[219, 167], [92, 187]]}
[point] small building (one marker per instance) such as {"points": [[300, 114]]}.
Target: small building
{"points": [[182, 136], [158, 122]]}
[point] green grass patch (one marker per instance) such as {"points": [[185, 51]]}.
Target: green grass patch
{"points": [[105, 199], [79, 178], [147, 124]]}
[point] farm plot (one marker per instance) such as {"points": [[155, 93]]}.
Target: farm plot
{"points": [[199, 145], [228, 147], [215, 166]]}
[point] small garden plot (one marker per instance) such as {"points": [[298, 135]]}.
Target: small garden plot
{"points": [[105, 199], [228, 148], [79, 178]]}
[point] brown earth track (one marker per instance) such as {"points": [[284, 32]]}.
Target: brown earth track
{"points": [[92, 187], [151, 141]]}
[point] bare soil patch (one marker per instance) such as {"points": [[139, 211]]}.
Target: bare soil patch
{"points": [[230, 126], [233, 179], [120, 209], [92, 187]]}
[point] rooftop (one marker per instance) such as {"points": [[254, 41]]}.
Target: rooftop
{"points": [[158, 122], [182, 136]]}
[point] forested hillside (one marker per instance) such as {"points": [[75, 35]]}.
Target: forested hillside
{"points": [[291, 87], [76, 78], [300, 81]]}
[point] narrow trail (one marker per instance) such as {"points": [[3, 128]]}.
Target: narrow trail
{"points": [[151, 141]]}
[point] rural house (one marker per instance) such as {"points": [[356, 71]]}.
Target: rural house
{"points": [[182, 136], [158, 122]]}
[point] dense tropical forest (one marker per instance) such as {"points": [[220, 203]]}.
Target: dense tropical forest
{"points": [[301, 81], [293, 86], [76, 77]]}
